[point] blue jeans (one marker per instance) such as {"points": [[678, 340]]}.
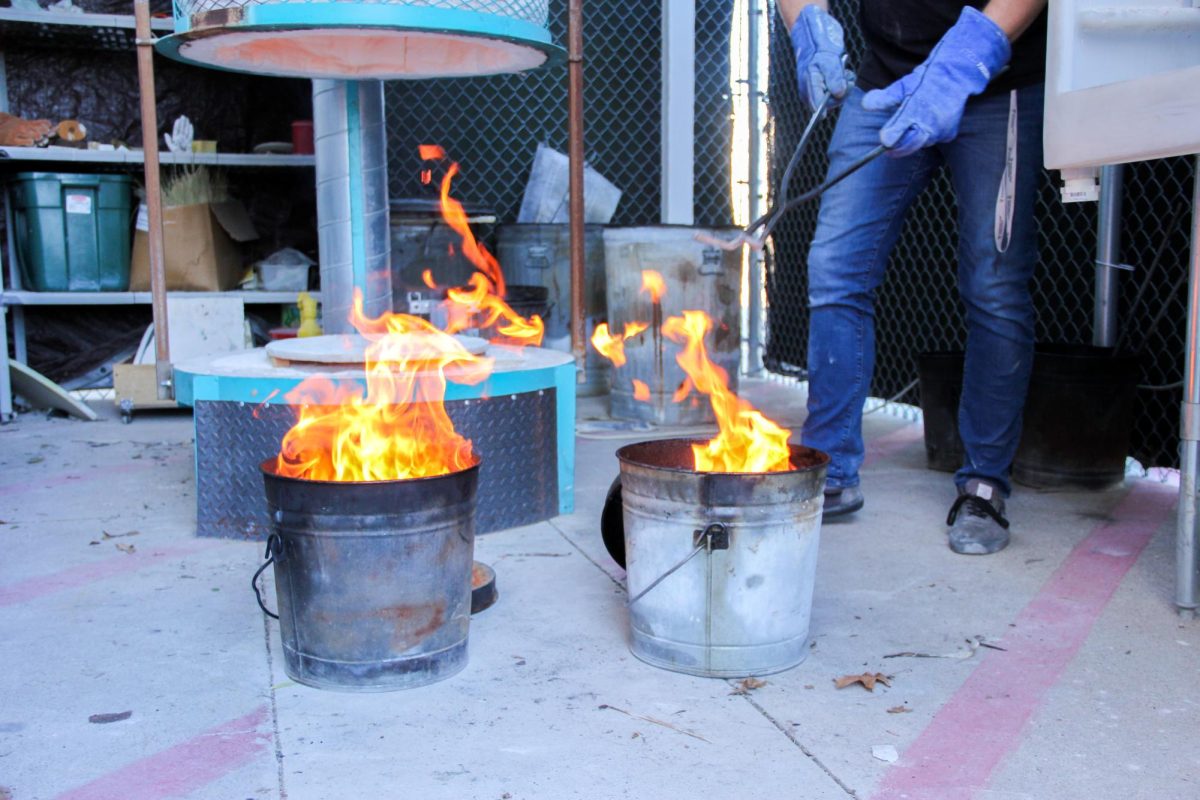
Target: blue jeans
{"points": [[859, 222]]}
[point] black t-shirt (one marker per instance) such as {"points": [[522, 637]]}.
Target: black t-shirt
{"points": [[901, 33]]}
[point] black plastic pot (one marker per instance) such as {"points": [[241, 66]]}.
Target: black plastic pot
{"points": [[1078, 418]]}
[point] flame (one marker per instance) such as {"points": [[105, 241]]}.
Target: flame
{"points": [[479, 306], [431, 152], [613, 347], [653, 283], [641, 391], [400, 428], [481, 303], [456, 217], [427, 278], [746, 440]]}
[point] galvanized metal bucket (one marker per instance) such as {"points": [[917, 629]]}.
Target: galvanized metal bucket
{"points": [[373, 579], [539, 254], [698, 276], [720, 567]]}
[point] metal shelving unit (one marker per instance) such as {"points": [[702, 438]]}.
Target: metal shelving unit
{"points": [[109, 32], [74, 155], [24, 298]]}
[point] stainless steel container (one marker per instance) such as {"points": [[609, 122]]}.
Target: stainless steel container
{"points": [[697, 276], [720, 566], [372, 579]]}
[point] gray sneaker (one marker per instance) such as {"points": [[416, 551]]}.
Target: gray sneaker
{"points": [[840, 502], [976, 520]]}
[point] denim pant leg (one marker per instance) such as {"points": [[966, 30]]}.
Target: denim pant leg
{"points": [[859, 222], [996, 190]]}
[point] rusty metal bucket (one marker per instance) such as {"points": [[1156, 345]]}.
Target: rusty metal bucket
{"points": [[720, 566], [373, 579]]}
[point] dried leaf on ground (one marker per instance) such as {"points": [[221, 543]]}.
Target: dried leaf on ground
{"points": [[103, 719], [748, 685], [126, 548], [901, 709], [867, 679]]}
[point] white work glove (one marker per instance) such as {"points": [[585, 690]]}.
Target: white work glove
{"points": [[179, 140]]}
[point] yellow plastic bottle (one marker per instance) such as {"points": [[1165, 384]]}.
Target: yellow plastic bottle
{"points": [[308, 316]]}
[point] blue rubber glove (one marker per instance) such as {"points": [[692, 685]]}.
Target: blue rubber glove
{"points": [[819, 46], [929, 101]]}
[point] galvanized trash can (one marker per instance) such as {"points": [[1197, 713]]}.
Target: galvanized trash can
{"points": [[373, 579], [539, 254], [720, 566], [697, 276]]}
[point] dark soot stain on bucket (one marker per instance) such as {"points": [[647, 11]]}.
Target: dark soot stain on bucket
{"points": [[676, 454]]}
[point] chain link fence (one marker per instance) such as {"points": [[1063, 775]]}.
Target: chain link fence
{"points": [[492, 126], [918, 309]]}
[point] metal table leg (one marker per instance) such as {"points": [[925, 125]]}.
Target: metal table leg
{"points": [[6, 406], [1186, 551]]}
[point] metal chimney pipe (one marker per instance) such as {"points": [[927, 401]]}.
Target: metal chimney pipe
{"points": [[352, 199]]}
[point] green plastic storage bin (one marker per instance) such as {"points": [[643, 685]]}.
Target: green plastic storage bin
{"points": [[72, 231]]}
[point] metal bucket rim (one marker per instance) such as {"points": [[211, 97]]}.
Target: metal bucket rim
{"points": [[268, 468], [623, 455]]}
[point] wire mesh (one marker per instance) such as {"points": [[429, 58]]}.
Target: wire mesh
{"points": [[492, 126], [918, 310], [535, 11]]}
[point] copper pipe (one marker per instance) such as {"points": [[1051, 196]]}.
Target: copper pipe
{"points": [[158, 276], [575, 153]]}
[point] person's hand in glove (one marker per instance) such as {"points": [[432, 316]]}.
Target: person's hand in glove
{"points": [[929, 101], [819, 46]]}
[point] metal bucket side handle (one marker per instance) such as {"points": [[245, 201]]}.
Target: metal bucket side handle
{"points": [[274, 550], [714, 536]]}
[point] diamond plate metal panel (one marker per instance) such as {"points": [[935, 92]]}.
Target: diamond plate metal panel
{"points": [[515, 436]]}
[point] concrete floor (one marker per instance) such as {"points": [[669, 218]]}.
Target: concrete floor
{"points": [[109, 604]]}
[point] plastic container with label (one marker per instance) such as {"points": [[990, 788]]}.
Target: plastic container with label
{"points": [[72, 231]]}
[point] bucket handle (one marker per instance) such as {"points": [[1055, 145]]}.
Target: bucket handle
{"points": [[274, 548], [714, 537]]}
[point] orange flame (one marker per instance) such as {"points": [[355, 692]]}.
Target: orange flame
{"points": [[653, 283], [478, 306], [400, 428], [431, 152], [641, 391], [613, 347], [746, 440], [427, 278], [481, 304], [456, 217]]}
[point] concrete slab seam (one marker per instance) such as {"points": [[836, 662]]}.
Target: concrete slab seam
{"points": [[592, 561], [733, 683], [274, 706]]}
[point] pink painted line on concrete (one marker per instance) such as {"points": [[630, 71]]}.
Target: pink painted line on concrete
{"points": [[90, 474], [83, 574], [186, 767], [893, 442], [955, 756]]}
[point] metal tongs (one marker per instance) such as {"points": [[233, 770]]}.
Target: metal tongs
{"points": [[756, 233]]}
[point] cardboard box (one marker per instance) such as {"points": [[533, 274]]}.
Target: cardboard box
{"points": [[201, 247]]}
